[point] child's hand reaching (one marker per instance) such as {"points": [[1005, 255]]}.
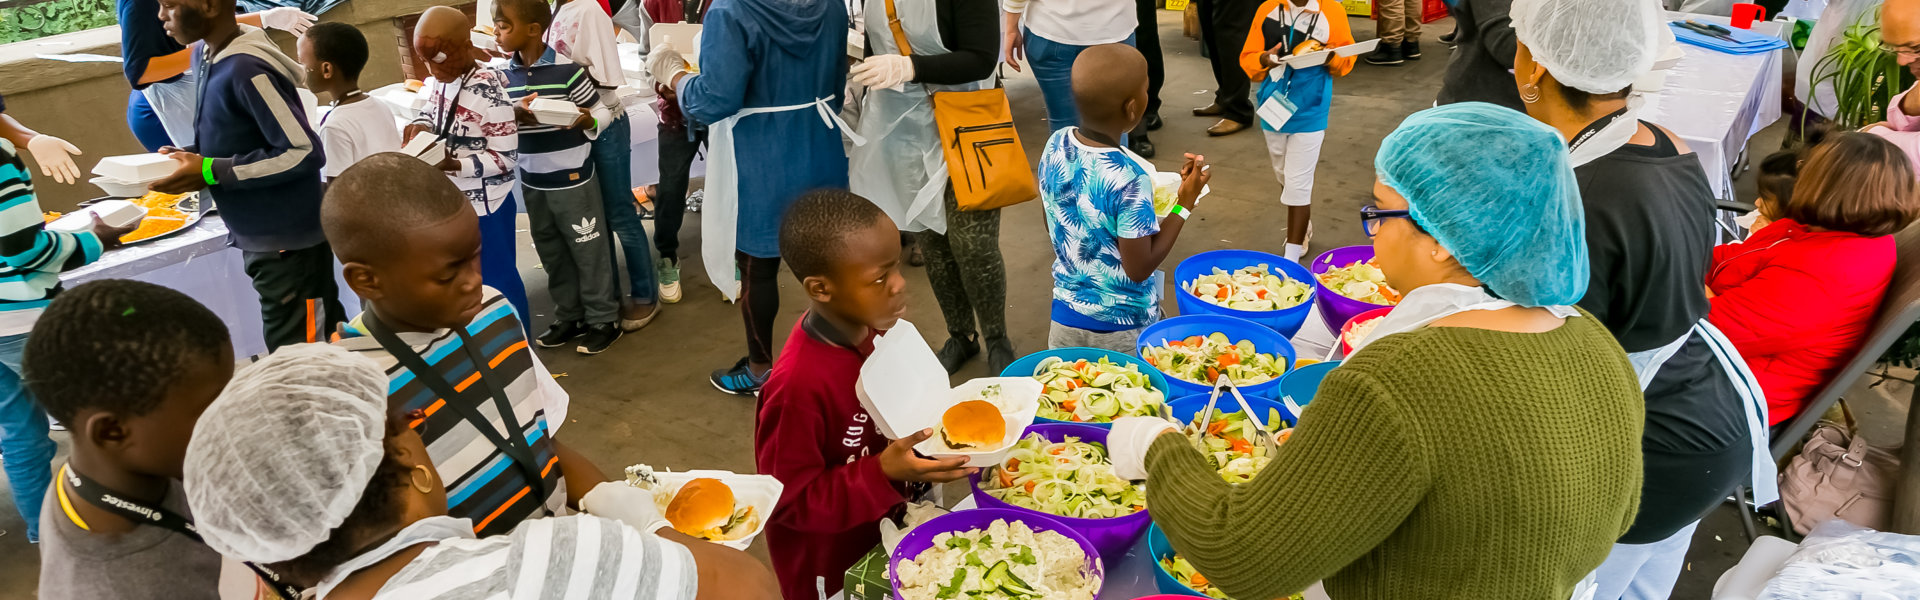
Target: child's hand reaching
{"points": [[900, 463], [1193, 178], [523, 111]]}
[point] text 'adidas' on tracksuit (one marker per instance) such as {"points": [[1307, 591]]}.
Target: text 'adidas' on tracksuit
{"points": [[563, 201]]}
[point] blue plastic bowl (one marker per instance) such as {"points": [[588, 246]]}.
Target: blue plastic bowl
{"points": [[1184, 409], [1302, 383], [1112, 537], [1027, 364], [1264, 340], [1160, 548], [1285, 321]]}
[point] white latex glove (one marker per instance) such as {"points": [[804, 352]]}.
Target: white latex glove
{"points": [[663, 63], [883, 71], [289, 19], [624, 503], [55, 156], [1128, 441]]}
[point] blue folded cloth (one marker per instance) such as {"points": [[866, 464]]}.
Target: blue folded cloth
{"points": [[1744, 42]]}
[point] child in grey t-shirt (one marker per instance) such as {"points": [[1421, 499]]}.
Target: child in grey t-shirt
{"points": [[128, 367]]}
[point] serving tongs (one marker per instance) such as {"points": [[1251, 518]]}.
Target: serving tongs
{"points": [[1223, 384]]}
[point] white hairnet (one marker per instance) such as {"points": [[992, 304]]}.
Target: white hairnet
{"points": [[284, 454], [1596, 46]]}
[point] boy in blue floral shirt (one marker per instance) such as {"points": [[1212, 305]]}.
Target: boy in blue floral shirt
{"points": [[1107, 241]]}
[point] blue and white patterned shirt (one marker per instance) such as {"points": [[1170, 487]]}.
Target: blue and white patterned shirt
{"points": [[1094, 198]]}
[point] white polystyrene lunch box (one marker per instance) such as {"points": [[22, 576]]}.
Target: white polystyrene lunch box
{"points": [[426, 147], [136, 168], [115, 213], [552, 111], [1019, 402], [762, 492], [904, 388]]}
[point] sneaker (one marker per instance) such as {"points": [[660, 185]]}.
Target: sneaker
{"points": [[1386, 55], [957, 351], [1410, 49], [695, 199], [739, 380], [599, 338], [668, 272], [559, 333]]}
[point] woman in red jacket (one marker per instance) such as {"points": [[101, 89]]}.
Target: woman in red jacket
{"points": [[1798, 296]]}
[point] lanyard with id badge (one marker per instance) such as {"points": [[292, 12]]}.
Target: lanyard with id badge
{"points": [[1277, 109]]}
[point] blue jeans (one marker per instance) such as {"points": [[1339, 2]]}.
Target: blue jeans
{"points": [[499, 268], [27, 451], [613, 167], [1643, 571], [145, 123], [1052, 64]]}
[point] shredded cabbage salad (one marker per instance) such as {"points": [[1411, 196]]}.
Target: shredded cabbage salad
{"points": [[1095, 392], [1361, 329], [1230, 441], [1184, 571], [1361, 281], [1070, 478], [1004, 561], [1165, 197], [1253, 288], [1203, 359]]}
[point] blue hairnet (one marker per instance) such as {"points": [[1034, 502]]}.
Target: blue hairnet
{"points": [[1493, 186]]}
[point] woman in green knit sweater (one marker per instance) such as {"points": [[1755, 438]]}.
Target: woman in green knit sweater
{"points": [[1483, 443]]}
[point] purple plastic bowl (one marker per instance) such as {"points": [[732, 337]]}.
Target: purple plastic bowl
{"points": [[1112, 537], [921, 538], [1336, 309]]}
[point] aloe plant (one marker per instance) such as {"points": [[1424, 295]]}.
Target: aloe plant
{"points": [[1865, 77]]}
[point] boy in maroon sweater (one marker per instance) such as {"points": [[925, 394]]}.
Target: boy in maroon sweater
{"points": [[841, 475]]}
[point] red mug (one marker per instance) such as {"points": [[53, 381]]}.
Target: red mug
{"points": [[1745, 14]]}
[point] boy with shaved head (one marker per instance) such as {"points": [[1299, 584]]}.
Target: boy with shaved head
{"points": [[455, 350], [465, 104], [1107, 241]]}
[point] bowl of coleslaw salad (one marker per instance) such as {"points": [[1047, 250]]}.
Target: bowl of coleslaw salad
{"points": [[1265, 341], [1336, 308], [921, 538], [1358, 327], [1161, 549], [1111, 536], [1285, 321], [1029, 366], [1184, 409]]}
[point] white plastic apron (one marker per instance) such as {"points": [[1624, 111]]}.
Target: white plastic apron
{"points": [[1647, 363], [173, 102], [1429, 303], [904, 171], [720, 214]]}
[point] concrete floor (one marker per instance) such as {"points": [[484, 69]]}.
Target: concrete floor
{"points": [[648, 400]]}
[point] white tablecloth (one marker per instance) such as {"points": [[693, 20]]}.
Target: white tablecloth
{"points": [[1715, 101], [200, 264]]}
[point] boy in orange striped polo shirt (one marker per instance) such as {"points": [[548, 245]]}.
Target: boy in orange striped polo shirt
{"points": [[454, 350]]}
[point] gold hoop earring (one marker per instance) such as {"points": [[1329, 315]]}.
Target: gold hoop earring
{"points": [[1529, 93], [419, 470]]}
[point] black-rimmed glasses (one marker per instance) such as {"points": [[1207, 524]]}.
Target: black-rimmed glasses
{"points": [[1371, 216]]}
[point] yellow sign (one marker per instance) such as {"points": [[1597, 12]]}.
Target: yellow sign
{"points": [[1358, 8], [1176, 4]]}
